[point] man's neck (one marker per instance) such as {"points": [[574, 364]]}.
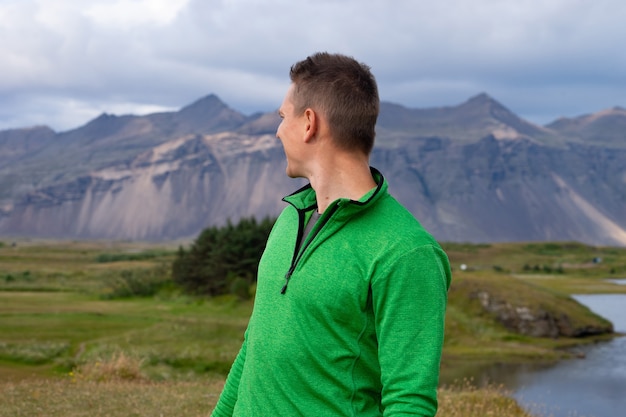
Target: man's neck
{"points": [[341, 177]]}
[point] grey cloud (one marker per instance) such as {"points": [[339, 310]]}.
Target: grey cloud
{"points": [[541, 59]]}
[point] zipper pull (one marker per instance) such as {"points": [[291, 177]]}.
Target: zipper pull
{"points": [[287, 276]]}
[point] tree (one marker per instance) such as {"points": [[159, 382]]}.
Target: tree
{"points": [[224, 259]]}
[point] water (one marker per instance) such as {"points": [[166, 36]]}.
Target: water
{"points": [[592, 387]]}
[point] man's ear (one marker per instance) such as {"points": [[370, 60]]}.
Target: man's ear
{"points": [[310, 124]]}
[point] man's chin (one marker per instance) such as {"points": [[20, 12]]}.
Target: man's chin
{"points": [[292, 174]]}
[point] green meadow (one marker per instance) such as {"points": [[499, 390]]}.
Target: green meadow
{"points": [[100, 329]]}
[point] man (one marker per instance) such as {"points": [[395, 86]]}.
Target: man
{"points": [[349, 310]]}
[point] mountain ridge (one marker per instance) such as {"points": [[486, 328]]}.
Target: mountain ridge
{"points": [[470, 172]]}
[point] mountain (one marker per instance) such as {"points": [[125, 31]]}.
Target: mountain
{"points": [[471, 121], [606, 127], [473, 172], [16, 143]]}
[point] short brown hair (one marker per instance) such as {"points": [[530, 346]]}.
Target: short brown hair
{"points": [[345, 91]]}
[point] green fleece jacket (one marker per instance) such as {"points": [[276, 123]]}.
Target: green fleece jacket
{"points": [[349, 324]]}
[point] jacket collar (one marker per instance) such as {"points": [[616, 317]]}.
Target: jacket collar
{"points": [[304, 198]]}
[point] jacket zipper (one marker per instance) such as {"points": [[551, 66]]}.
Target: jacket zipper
{"points": [[298, 254]]}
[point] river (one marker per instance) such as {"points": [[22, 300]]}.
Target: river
{"points": [[591, 387]]}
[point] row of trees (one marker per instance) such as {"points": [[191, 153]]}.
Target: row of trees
{"points": [[223, 260]]}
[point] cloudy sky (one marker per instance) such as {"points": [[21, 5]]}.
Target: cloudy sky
{"points": [[63, 62]]}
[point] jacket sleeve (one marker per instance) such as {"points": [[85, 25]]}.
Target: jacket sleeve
{"points": [[409, 300], [226, 403]]}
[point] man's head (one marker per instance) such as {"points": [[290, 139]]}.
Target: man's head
{"points": [[342, 90]]}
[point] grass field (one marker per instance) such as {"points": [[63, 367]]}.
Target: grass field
{"points": [[76, 340]]}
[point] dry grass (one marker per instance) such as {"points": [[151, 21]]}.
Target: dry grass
{"points": [[123, 398], [466, 400], [117, 386], [119, 368], [64, 398]]}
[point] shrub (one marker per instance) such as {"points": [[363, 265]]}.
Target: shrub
{"points": [[222, 260], [118, 368], [240, 287], [139, 256], [33, 352], [136, 283]]}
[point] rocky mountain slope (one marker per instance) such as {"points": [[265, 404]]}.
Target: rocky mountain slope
{"points": [[474, 172]]}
